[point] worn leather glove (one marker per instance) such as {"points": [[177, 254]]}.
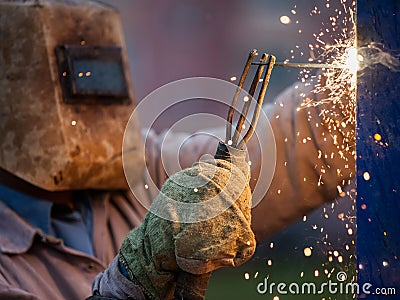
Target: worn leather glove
{"points": [[159, 251]]}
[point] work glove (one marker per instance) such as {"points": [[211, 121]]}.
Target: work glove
{"points": [[177, 253]]}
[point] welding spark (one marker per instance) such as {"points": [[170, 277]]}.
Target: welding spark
{"points": [[336, 54], [285, 20]]}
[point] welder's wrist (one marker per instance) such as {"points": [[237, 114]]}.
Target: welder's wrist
{"points": [[123, 270], [191, 286], [112, 283]]}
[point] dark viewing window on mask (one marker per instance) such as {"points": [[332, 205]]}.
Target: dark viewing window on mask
{"points": [[102, 77], [92, 74]]}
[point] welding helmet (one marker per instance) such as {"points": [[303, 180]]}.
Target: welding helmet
{"points": [[65, 95]]}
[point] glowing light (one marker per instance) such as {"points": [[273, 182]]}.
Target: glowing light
{"points": [[230, 142], [233, 78], [316, 273], [340, 191], [385, 263], [146, 186], [195, 190], [366, 176], [352, 60], [88, 73], [269, 262], [80, 74], [377, 137], [73, 123], [349, 231], [285, 20], [307, 251], [246, 276], [363, 206], [246, 98], [275, 298]]}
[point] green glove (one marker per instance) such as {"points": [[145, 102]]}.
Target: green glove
{"points": [[158, 250]]}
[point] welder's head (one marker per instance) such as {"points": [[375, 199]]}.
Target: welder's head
{"points": [[65, 94]]}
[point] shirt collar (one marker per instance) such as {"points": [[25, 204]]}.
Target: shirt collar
{"points": [[16, 235], [35, 211], [29, 216], [21, 218]]}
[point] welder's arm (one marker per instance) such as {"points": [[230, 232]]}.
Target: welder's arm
{"points": [[312, 161], [298, 186], [309, 166], [174, 253]]}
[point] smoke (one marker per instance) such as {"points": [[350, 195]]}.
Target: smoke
{"points": [[374, 54]]}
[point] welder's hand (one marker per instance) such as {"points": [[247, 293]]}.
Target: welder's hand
{"points": [[160, 250]]}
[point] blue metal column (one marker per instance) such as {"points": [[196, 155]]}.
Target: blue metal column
{"points": [[378, 151]]}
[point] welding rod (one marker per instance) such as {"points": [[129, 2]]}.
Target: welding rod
{"points": [[304, 65]]}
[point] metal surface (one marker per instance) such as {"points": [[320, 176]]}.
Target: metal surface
{"points": [[378, 152]]}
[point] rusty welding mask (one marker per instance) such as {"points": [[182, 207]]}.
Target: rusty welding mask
{"points": [[65, 95]]}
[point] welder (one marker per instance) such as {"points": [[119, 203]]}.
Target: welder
{"points": [[66, 212]]}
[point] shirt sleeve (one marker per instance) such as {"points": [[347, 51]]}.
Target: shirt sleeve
{"points": [[309, 162], [111, 283], [314, 160], [10, 292]]}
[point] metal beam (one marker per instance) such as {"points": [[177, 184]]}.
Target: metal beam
{"points": [[378, 150]]}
